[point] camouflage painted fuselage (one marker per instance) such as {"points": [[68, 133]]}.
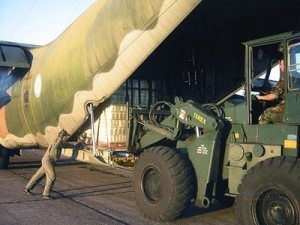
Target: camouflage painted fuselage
{"points": [[85, 64]]}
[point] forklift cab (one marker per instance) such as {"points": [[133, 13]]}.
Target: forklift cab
{"points": [[262, 73]]}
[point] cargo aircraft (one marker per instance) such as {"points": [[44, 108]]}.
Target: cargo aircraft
{"points": [[46, 89]]}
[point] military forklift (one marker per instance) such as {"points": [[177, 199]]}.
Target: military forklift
{"points": [[206, 153]]}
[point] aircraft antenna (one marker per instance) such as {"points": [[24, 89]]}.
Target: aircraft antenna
{"points": [[23, 20]]}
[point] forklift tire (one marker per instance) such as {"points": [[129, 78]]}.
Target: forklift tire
{"points": [[4, 158], [269, 193], [163, 183]]}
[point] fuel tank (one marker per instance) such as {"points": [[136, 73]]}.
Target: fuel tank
{"points": [[85, 64]]}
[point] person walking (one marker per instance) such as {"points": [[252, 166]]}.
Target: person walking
{"points": [[47, 169]]}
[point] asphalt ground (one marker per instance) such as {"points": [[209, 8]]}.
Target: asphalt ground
{"points": [[84, 194]]}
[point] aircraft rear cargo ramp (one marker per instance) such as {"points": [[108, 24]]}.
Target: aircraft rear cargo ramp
{"points": [[86, 64]]}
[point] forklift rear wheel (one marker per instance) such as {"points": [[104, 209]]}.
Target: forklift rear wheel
{"points": [[163, 183], [269, 193], [4, 158]]}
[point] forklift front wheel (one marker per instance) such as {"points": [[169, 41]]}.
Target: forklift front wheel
{"points": [[269, 193], [163, 183]]}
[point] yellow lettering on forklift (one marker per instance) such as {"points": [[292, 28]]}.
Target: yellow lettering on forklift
{"points": [[290, 144], [201, 119]]}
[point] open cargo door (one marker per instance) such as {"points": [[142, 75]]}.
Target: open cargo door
{"points": [[135, 29]]}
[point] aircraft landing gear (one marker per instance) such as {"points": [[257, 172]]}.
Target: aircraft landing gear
{"points": [[4, 158]]}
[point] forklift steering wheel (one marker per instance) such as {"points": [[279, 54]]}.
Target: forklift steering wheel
{"points": [[213, 107]]}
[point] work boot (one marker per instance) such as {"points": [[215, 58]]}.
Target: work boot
{"points": [[47, 197], [27, 192]]}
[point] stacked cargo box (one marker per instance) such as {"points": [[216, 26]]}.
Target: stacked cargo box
{"points": [[111, 126]]}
